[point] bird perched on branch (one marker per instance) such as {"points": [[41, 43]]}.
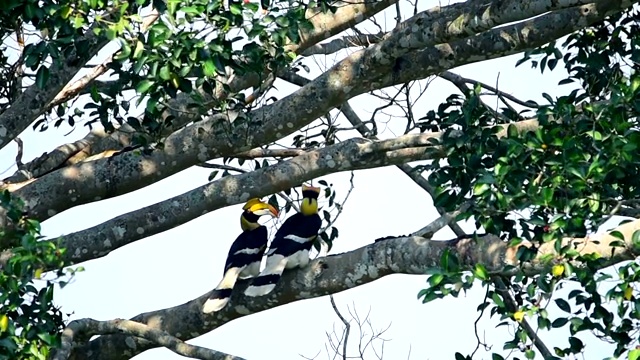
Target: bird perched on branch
{"points": [[291, 244], [245, 254]]}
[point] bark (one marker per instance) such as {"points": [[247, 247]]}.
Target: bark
{"points": [[79, 331], [353, 154], [215, 137], [33, 101], [335, 273], [179, 109]]}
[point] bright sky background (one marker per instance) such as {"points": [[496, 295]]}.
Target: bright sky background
{"points": [[176, 266]]}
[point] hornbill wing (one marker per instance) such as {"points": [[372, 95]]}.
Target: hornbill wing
{"points": [[245, 254], [289, 249]]}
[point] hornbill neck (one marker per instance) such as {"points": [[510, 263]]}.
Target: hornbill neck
{"points": [[249, 221], [309, 206]]}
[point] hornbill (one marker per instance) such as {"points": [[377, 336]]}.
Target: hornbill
{"points": [[291, 244], [245, 254]]}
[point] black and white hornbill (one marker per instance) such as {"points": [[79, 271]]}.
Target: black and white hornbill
{"points": [[245, 254], [291, 244]]}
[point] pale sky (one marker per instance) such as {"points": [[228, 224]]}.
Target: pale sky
{"points": [[176, 266]]}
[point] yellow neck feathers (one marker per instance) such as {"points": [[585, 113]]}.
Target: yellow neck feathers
{"points": [[248, 225], [309, 206]]}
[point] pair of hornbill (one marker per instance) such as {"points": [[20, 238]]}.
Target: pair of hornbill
{"points": [[289, 249]]}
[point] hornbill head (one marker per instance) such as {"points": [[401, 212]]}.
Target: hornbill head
{"points": [[258, 207]]}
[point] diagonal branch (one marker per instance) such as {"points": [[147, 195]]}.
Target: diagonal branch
{"points": [[353, 154], [33, 101], [78, 332], [335, 45], [214, 137], [179, 109], [336, 273], [359, 125]]}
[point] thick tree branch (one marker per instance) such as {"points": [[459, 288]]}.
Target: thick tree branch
{"points": [[33, 101], [345, 17], [78, 332], [353, 154], [503, 41], [333, 46], [336, 273], [214, 137]]}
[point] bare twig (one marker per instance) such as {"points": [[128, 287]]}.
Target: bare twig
{"points": [[444, 220], [355, 120], [475, 326], [347, 326], [333, 46], [20, 151], [502, 289], [83, 329], [222, 167], [453, 77]]}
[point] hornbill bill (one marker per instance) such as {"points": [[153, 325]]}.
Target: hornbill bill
{"points": [[245, 254], [291, 244]]}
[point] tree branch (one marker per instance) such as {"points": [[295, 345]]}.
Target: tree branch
{"points": [[214, 137], [353, 154], [336, 273], [498, 42], [33, 101], [78, 332], [459, 81], [333, 46], [345, 17]]}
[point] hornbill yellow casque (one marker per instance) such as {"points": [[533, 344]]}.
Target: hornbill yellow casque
{"points": [[245, 254], [291, 244]]}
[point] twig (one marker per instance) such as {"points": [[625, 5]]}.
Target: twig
{"points": [[453, 77], [355, 121], [261, 89], [75, 88], [475, 325], [347, 326], [353, 118], [221, 167], [501, 287], [19, 155], [84, 329], [437, 224]]}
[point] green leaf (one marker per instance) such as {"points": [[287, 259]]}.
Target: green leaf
{"points": [[65, 11], [495, 356], [165, 73], [42, 76], [563, 305], [124, 52], [209, 68], [481, 272], [634, 354], [143, 86], [139, 48], [236, 8], [635, 238], [460, 356], [479, 189], [559, 322], [576, 344], [497, 299]]}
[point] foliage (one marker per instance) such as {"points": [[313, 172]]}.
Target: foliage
{"points": [[30, 324], [188, 50], [564, 179]]}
